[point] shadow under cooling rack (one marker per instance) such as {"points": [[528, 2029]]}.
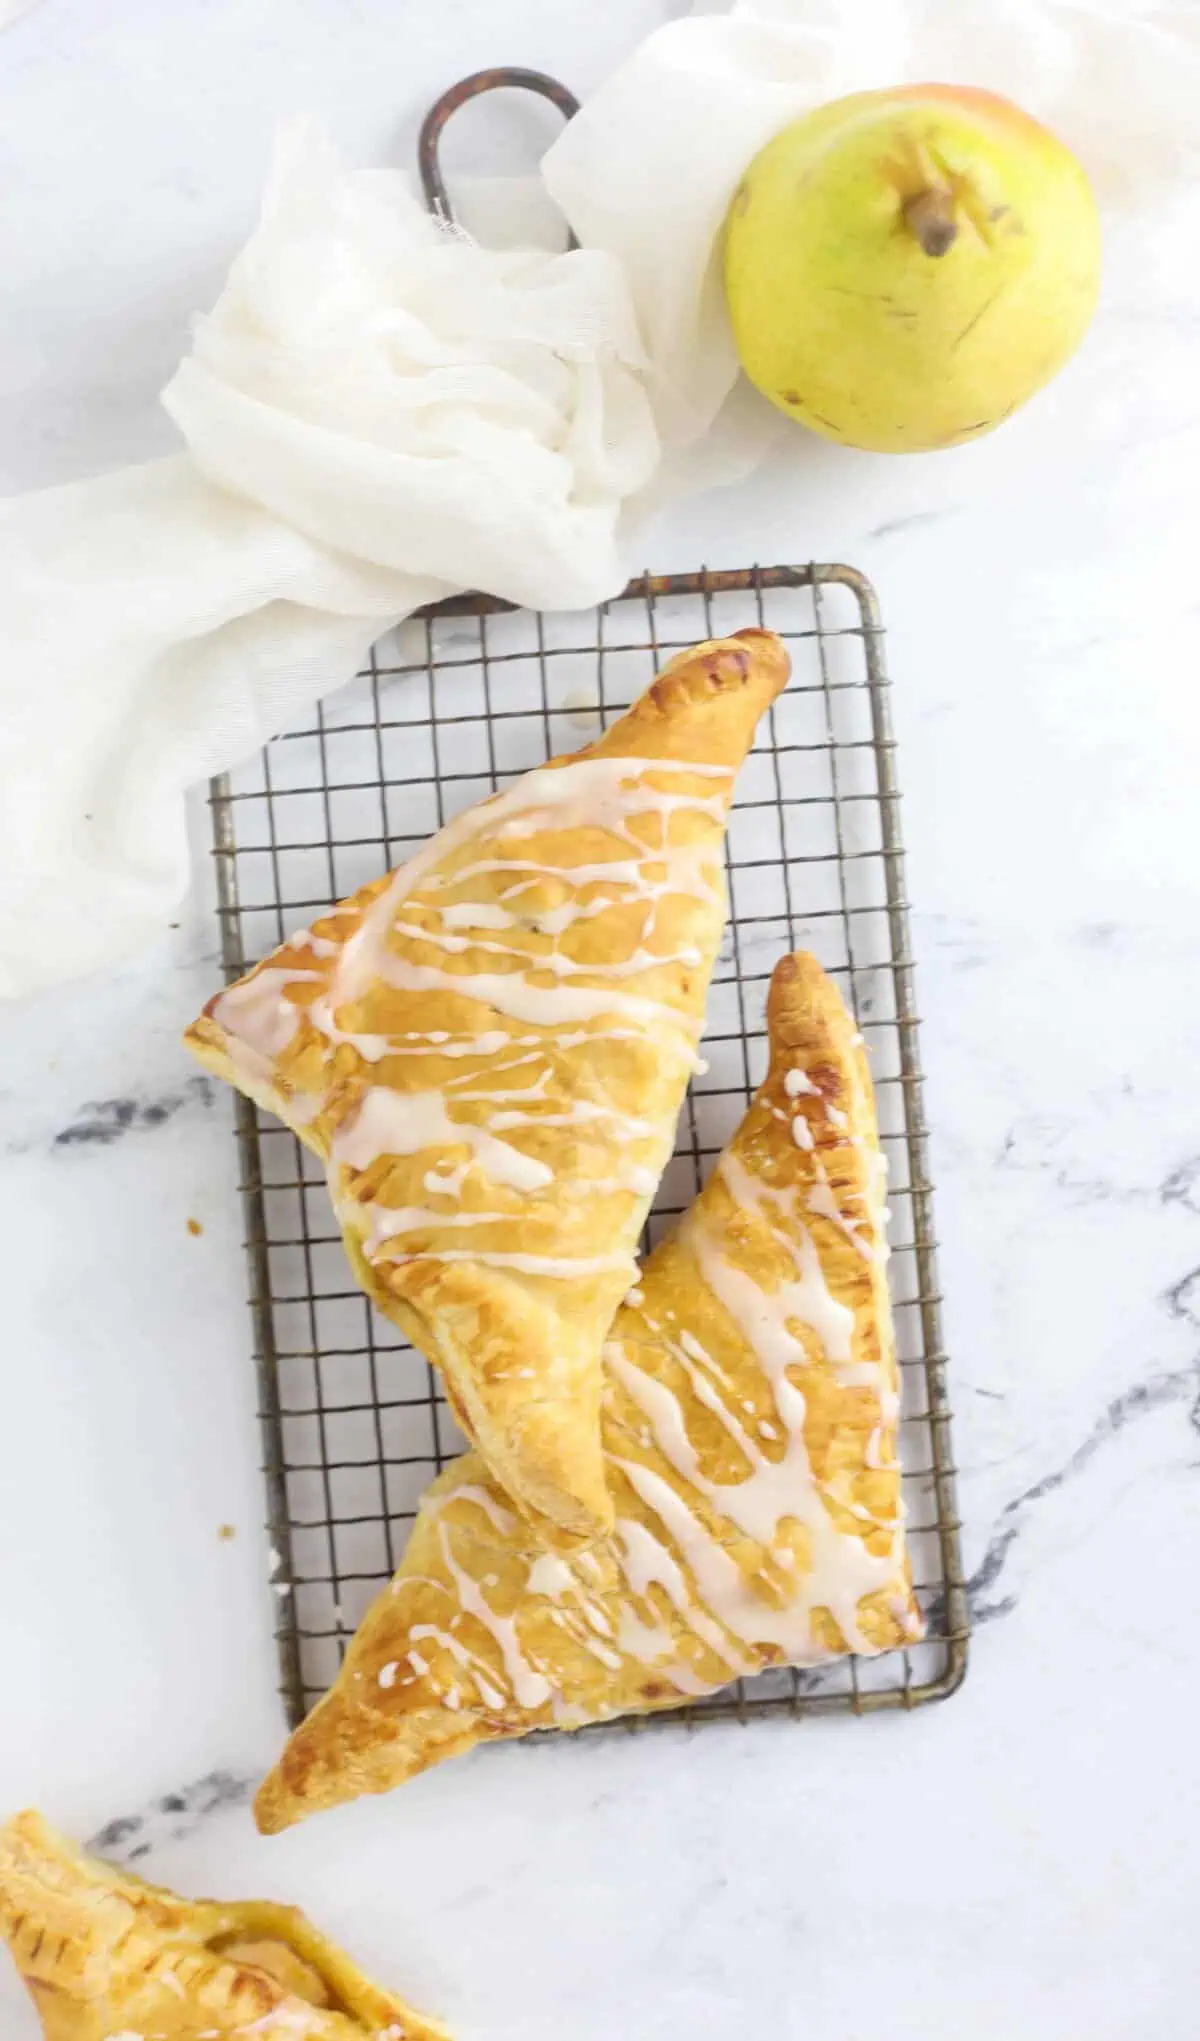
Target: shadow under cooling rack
{"points": [[452, 705]]}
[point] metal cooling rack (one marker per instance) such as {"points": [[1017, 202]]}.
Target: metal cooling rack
{"points": [[455, 704]]}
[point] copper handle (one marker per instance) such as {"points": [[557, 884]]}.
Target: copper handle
{"points": [[433, 183]]}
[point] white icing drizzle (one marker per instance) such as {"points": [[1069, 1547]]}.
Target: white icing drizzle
{"points": [[550, 1575], [477, 914], [549, 960], [288, 2018], [389, 1122], [650, 1643], [603, 793], [822, 1201], [690, 1347], [764, 1315], [492, 1042], [257, 1070], [483, 1499], [555, 921], [843, 1571], [477, 1668], [773, 1490], [621, 795], [646, 1562], [255, 1012], [797, 1084], [582, 1112], [635, 1177], [502, 1067], [530, 1687], [510, 993], [596, 1618], [575, 1623], [564, 1267], [320, 945], [388, 1222], [694, 872]]}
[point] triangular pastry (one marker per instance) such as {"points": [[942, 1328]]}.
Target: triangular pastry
{"points": [[750, 1420], [107, 1958], [490, 1048]]}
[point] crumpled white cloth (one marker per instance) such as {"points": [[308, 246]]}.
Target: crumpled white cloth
{"points": [[379, 412]]}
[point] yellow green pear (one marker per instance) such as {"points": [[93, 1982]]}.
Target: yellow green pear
{"points": [[904, 268]]}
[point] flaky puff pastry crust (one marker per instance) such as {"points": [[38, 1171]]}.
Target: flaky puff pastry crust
{"points": [[750, 1420], [490, 1048], [108, 1958]]}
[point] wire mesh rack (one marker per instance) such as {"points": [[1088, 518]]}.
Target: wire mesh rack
{"points": [[452, 706]]}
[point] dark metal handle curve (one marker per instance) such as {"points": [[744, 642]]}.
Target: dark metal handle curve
{"points": [[507, 76]]}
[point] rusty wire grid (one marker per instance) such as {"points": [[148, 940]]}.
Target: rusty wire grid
{"points": [[453, 705]]}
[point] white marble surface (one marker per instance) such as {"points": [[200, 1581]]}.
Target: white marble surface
{"points": [[1023, 1859]]}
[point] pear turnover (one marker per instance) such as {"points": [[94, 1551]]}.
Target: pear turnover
{"points": [[489, 1049], [107, 1958]]}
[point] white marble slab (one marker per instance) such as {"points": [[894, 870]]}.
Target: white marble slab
{"points": [[1021, 1859]]}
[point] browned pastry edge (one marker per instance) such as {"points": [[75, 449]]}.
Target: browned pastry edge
{"points": [[101, 1952]]}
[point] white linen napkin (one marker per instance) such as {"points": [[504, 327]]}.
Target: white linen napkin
{"points": [[379, 412]]}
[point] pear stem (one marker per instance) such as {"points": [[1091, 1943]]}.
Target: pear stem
{"points": [[929, 214]]}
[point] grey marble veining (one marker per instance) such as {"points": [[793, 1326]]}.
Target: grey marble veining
{"points": [[171, 1818]]}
